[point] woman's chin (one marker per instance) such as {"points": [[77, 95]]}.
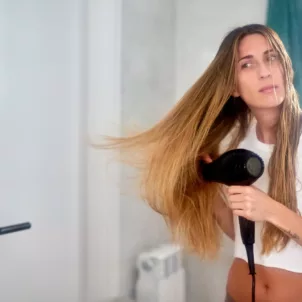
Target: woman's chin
{"points": [[271, 102]]}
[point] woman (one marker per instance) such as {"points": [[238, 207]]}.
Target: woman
{"points": [[245, 99]]}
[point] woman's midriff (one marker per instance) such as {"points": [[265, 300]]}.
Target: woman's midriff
{"points": [[272, 284]]}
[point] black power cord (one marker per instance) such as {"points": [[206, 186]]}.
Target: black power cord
{"points": [[251, 263], [253, 287]]}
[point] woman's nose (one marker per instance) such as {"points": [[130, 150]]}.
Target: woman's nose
{"points": [[264, 70]]}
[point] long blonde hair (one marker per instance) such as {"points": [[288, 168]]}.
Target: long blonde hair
{"points": [[170, 152]]}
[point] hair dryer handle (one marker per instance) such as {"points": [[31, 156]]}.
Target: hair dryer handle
{"points": [[247, 230]]}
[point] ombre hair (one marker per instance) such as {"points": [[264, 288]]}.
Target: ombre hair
{"points": [[169, 153]]}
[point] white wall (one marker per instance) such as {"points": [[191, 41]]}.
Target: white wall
{"points": [[148, 92], [103, 174], [59, 87], [200, 28], [41, 153], [131, 79]]}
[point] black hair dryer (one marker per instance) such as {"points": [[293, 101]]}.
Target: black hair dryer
{"points": [[237, 167]]}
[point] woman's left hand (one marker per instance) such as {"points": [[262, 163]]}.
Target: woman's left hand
{"points": [[250, 202]]}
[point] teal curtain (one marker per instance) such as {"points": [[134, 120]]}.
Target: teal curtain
{"points": [[285, 17]]}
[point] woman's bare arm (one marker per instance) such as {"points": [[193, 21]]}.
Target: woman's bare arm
{"points": [[224, 217]]}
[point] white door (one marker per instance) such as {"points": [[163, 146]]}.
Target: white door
{"points": [[40, 158]]}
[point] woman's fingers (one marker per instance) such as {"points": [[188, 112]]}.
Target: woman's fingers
{"points": [[237, 206], [206, 158], [236, 197]]}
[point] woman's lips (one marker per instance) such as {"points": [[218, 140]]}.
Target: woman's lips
{"points": [[268, 89]]}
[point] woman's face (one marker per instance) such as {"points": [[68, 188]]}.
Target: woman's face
{"points": [[260, 78]]}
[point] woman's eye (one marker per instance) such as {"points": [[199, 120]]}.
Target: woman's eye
{"points": [[246, 65], [272, 57]]}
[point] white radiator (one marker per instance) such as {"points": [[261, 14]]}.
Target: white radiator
{"points": [[161, 275]]}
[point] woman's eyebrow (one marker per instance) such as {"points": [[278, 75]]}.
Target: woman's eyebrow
{"points": [[251, 56]]}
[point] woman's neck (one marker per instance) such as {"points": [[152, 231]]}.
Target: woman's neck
{"points": [[266, 125]]}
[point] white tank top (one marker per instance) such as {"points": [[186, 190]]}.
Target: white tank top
{"points": [[290, 257]]}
